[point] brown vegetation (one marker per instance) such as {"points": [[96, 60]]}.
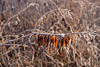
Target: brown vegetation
{"points": [[49, 33]]}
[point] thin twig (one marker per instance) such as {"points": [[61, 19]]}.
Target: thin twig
{"points": [[31, 4], [62, 14], [50, 34]]}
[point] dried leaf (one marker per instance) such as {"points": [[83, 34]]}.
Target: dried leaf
{"points": [[56, 42], [63, 43]]}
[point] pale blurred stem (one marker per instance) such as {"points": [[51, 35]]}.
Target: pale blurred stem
{"points": [[95, 34]]}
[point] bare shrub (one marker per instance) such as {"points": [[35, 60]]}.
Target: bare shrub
{"points": [[50, 33]]}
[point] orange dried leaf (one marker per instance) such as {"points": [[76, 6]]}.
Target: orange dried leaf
{"points": [[63, 43], [39, 21], [60, 43], [56, 42], [52, 39], [44, 16], [73, 37], [68, 37], [41, 46]]}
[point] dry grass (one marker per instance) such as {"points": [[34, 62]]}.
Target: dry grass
{"points": [[21, 21]]}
